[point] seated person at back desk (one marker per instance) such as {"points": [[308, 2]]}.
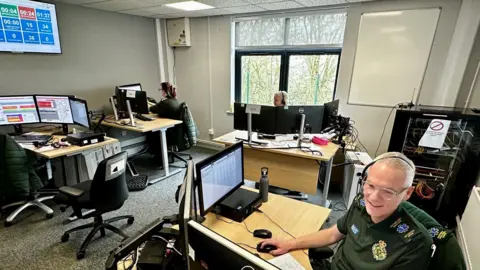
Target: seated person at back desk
{"points": [[280, 99], [169, 107], [377, 232]]}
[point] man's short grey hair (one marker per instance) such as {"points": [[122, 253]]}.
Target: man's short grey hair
{"points": [[399, 161]]}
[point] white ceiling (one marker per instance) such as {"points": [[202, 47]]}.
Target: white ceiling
{"points": [[156, 8]]}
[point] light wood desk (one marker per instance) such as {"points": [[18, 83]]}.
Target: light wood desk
{"points": [[296, 217], [159, 124], [292, 169]]}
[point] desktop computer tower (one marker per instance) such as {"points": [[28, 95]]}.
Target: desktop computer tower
{"points": [[353, 175], [240, 204]]}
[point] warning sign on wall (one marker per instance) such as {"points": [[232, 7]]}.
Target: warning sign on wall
{"points": [[435, 135]]}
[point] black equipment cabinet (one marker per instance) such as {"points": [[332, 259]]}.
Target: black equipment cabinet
{"points": [[444, 177]]}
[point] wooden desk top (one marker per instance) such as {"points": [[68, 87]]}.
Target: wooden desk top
{"points": [[142, 126], [70, 150], [296, 217], [327, 151]]}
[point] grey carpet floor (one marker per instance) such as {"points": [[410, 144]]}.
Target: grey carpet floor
{"points": [[33, 242]]}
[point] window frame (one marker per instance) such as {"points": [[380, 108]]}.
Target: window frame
{"points": [[285, 54]]}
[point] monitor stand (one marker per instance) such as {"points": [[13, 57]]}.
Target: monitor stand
{"points": [[17, 130], [64, 131]]}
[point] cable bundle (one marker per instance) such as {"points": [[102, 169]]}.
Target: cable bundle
{"points": [[424, 191]]}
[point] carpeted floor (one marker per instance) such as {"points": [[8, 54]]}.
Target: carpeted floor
{"points": [[33, 242]]}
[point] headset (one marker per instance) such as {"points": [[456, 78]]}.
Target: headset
{"points": [[365, 174]]}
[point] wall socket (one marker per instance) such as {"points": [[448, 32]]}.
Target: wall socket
{"points": [[211, 131]]}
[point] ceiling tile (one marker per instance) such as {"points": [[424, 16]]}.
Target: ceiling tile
{"points": [[140, 12], [280, 5], [224, 3], [356, 1], [313, 3], [244, 9], [256, 2], [117, 5], [163, 10], [80, 2]]}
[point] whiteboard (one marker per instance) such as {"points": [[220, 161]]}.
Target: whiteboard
{"points": [[391, 57]]}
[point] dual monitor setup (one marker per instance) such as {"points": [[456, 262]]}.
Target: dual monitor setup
{"points": [[49, 109], [219, 180], [130, 101], [286, 119]]}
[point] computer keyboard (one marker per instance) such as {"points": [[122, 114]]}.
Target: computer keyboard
{"points": [[31, 138], [138, 182], [144, 117]]}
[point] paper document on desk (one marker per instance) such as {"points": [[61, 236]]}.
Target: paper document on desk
{"points": [[286, 262]]}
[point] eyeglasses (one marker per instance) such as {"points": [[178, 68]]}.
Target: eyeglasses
{"points": [[384, 193]]}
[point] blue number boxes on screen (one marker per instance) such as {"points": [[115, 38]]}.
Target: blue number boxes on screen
{"points": [[19, 24]]}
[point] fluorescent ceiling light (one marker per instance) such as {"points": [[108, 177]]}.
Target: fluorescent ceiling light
{"points": [[189, 6]]}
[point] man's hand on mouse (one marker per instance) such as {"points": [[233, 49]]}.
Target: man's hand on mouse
{"points": [[283, 246]]}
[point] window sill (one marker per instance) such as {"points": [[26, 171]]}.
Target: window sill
{"points": [[229, 112]]}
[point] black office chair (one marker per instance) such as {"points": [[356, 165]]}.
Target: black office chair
{"points": [[105, 193]]}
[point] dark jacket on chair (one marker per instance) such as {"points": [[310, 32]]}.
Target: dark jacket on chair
{"points": [[167, 108], [17, 176]]}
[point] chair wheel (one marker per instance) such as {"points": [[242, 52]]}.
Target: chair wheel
{"points": [[130, 220], [65, 238], [49, 216], [7, 224], [80, 255]]}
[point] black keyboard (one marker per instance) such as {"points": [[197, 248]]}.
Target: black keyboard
{"points": [[144, 118], [31, 138], [139, 182]]}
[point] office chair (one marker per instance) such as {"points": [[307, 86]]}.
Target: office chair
{"points": [[105, 193], [20, 168], [447, 254]]}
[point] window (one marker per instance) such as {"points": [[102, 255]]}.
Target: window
{"points": [[297, 54]]}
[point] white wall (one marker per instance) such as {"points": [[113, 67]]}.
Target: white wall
{"points": [[100, 49], [192, 73]]}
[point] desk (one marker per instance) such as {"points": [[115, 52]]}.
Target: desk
{"points": [[159, 124], [71, 150], [296, 217], [292, 169]]}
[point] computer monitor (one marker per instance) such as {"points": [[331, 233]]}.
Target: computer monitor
{"points": [[80, 112], [212, 251], [138, 101], [331, 110], [133, 87], [54, 109], [288, 119], [261, 123], [219, 176], [18, 110]]}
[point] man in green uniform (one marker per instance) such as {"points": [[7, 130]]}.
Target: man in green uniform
{"points": [[377, 232]]}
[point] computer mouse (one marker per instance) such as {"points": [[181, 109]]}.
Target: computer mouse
{"points": [[266, 248], [262, 233]]}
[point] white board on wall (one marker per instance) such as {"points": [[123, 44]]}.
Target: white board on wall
{"points": [[392, 53]]}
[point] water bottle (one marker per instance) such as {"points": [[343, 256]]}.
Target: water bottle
{"points": [[264, 184]]}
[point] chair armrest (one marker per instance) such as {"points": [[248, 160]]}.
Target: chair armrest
{"points": [[320, 253], [71, 191]]}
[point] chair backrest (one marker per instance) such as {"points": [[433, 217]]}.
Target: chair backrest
{"points": [[447, 254], [109, 187]]}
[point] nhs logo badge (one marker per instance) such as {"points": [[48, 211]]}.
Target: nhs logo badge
{"points": [[354, 229]]}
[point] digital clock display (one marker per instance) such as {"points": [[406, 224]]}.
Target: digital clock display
{"points": [[28, 26]]}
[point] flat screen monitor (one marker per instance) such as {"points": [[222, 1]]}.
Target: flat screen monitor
{"points": [[212, 251], [54, 109], [288, 119], [219, 176], [261, 123], [80, 112], [186, 202], [28, 26], [133, 87], [138, 100], [18, 110], [330, 111]]}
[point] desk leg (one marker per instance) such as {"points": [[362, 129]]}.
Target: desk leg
{"points": [[166, 167], [326, 184], [49, 169]]}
